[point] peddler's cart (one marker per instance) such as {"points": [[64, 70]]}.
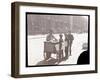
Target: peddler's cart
{"points": [[49, 47]]}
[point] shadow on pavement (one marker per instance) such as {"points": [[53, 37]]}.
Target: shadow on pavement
{"points": [[51, 61]]}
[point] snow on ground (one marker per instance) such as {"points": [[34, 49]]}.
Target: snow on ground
{"points": [[36, 48]]}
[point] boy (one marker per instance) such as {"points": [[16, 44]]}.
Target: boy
{"points": [[60, 48]]}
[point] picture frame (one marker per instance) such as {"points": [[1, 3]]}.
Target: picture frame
{"points": [[30, 24]]}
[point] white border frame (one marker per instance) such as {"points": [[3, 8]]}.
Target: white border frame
{"points": [[54, 69]]}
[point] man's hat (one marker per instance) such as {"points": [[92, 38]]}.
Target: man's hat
{"points": [[60, 35], [50, 31]]}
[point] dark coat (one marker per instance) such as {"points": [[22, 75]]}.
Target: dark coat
{"points": [[83, 58]]}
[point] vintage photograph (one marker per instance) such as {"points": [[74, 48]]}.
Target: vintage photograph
{"points": [[57, 39], [53, 39]]}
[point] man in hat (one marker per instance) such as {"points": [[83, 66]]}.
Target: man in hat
{"points": [[50, 38]]}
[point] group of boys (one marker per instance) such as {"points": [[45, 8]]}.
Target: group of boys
{"points": [[67, 42]]}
